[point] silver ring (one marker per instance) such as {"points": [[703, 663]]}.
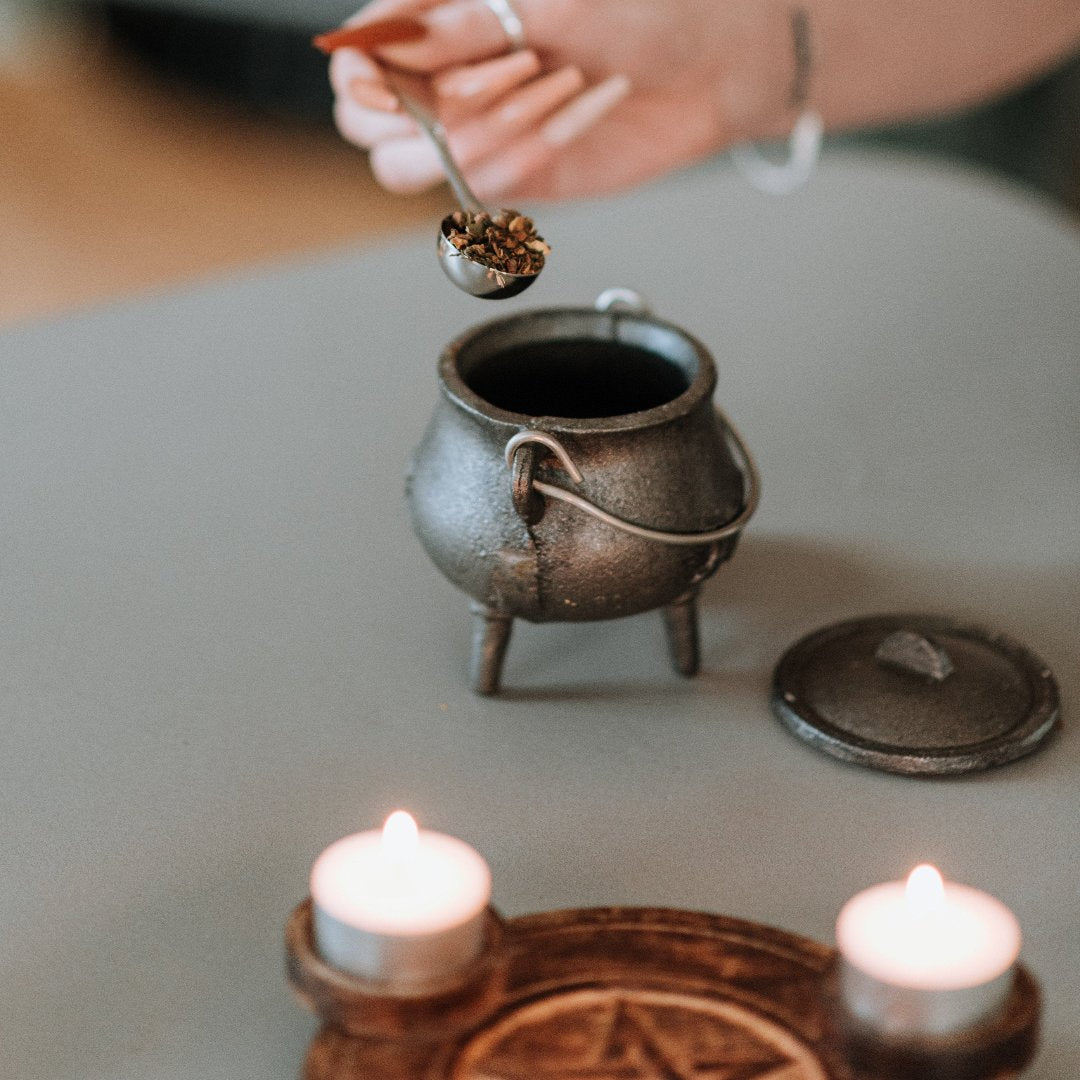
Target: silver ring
{"points": [[510, 21]]}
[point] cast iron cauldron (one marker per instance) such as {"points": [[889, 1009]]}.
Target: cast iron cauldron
{"points": [[576, 469]]}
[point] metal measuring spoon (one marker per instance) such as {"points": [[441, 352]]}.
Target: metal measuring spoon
{"points": [[469, 274], [466, 272]]}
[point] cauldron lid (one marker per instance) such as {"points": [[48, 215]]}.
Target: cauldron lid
{"points": [[916, 694]]}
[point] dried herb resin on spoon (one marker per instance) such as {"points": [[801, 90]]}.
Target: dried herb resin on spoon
{"points": [[505, 241]]}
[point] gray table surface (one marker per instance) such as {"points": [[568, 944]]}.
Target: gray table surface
{"points": [[221, 647]]}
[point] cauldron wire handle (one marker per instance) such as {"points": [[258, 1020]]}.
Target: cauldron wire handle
{"points": [[751, 480]]}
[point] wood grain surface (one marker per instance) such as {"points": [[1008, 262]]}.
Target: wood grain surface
{"points": [[632, 994]]}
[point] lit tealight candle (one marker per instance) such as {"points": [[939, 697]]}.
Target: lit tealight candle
{"points": [[400, 905], [925, 957]]}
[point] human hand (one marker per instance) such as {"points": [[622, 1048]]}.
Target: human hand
{"points": [[609, 93]]}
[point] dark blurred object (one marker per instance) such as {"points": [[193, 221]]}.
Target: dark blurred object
{"points": [[1031, 135], [270, 66]]}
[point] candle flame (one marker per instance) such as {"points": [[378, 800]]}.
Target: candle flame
{"points": [[400, 837], [925, 890]]}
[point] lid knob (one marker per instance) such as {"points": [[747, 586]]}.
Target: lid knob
{"points": [[908, 651]]}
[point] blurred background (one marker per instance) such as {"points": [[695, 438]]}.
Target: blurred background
{"points": [[152, 142]]}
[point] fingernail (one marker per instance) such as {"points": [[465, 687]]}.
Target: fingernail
{"points": [[510, 170], [491, 180], [541, 96], [488, 77], [373, 96], [584, 111], [409, 164], [451, 17]]}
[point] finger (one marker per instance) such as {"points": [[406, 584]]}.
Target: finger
{"points": [[373, 95], [515, 115], [368, 127], [404, 166], [459, 32], [511, 169], [348, 65], [582, 113], [365, 108], [477, 86], [407, 162], [461, 91]]}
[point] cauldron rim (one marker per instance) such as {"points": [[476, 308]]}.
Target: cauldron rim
{"points": [[702, 379]]}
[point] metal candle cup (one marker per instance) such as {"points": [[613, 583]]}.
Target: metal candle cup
{"points": [[925, 958], [400, 906]]}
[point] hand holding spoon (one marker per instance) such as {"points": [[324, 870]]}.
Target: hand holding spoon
{"points": [[481, 272], [492, 256]]}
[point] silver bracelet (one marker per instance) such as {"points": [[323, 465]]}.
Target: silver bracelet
{"points": [[804, 143]]}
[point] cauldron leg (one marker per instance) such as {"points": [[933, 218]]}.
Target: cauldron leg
{"points": [[681, 623], [491, 635]]}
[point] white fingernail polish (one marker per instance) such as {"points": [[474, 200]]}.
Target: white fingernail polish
{"points": [[585, 110], [469, 88]]}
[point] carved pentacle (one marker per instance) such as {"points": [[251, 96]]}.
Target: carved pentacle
{"points": [[633, 994], [628, 1034], [652, 994]]}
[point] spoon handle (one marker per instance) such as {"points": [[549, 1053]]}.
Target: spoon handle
{"points": [[432, 127]]}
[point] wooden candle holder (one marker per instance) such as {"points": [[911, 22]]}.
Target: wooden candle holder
{"points": [[630, 994]]}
